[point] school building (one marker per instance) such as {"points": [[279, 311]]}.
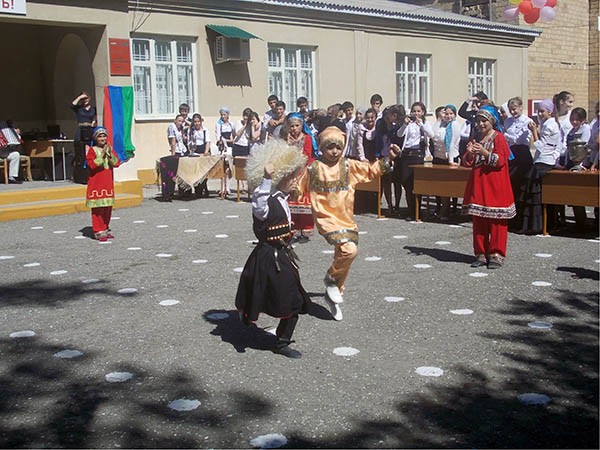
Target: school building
{"points": [[213, 53]]}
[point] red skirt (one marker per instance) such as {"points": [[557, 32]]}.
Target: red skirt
{"points": [[301, 211]]}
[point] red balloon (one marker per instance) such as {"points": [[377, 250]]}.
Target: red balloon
{"points": [[551, 3], [525, 7], [532, 16]]}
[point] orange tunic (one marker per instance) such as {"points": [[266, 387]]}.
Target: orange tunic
{"points": [[331, 190]]}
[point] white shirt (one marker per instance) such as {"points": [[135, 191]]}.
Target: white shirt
{"points": [[260, 201], [222, 127], [241, 139], [174, 132], [546, 148], [412, 134], [439, 141], [363, 133], [197, 138], [565, 126], [517, 130]]}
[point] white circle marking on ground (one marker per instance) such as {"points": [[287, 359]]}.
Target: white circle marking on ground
{"points": [[37, 228], [2, 257], [272, 440], [543, 255], [22, 334], [372, 258], [184, 404], [115, 218], [328, 252], [346, 351], [232, 217], [362, 232], [118, 377], [139, 221], [162, 226], [382, 219], [531, 398], [169, 302], [80, 237], [400, 236], [90, 281], [163, 255], [200, 261], [461, 312], [422, 266], [238, 269], [541, 283], [221, 236], [454, 226], [429, 371], [104, 242], [206, 213], [391, 299], [127, 291], [68, 354], [183, 209], [217, 316], [134, 248], [539, 325], [478, 274], [59, 231], [443, 243], [191, 230], [58, 272], [33, 264]]}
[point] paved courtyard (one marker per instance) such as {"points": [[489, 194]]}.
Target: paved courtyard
{"points": [[431, 353]]}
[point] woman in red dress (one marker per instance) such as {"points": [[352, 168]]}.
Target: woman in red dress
{"points": [[488, 195], [299, 135], [100, 195]]}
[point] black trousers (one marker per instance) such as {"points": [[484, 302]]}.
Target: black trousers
{"points": [[168, 170], [285, 330]]}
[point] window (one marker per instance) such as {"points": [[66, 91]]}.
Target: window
{"points": [[481, 76], [292, 74], [163, 76], [412, 79]]}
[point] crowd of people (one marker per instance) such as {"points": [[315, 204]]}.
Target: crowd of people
{"points": [[559, 134]]}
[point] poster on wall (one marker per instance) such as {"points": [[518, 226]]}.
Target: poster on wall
{"points": [[13, 7], [120, 59]]}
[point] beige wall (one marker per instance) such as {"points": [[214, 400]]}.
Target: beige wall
{"points": [[350, 65]]}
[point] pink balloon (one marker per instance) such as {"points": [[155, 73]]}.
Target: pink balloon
{"points": [[547, 14], [538, 3], [511, 12]]}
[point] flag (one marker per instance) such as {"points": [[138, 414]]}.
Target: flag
{"points": [[118, 118]]}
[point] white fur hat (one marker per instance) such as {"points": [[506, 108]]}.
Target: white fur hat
{"points": [[286, 159]]}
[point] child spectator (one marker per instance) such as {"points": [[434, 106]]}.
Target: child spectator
{"points": [[331, 181], [270, 282], [100, 194]]}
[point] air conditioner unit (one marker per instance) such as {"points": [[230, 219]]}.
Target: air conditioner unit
{"points": [[231, 49]]}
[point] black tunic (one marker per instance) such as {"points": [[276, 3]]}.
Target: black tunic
{"points": [[270, 282]]}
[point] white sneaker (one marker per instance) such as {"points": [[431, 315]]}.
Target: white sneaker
{"points": [[334, 309], [332, 291]]}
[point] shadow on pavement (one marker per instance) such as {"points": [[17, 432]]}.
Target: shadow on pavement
{"points": [[46, 293], [580, 272], [440, 255]]}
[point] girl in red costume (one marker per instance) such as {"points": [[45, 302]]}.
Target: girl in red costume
{"points": [[100, 195]]}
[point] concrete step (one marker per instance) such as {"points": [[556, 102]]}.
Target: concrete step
{"points": [[67, 199]]}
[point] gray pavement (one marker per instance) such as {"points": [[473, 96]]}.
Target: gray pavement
{"points": [[398, 313]]}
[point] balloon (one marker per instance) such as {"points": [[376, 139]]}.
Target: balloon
{"points": [[532, 16], [547, 14], [525, 7], [511, 12], [538, 3], [515, 2], [551, 3]]}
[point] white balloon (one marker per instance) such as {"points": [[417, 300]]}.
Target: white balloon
{"points": [[547, 14], [511, 12]]}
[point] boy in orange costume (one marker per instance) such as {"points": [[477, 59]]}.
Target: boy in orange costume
{"points": [[330, 182]]}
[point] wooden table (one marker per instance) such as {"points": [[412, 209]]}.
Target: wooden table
{"points": [[441, 180], [562, 187], [191, 170], [372, 186], [239, 171], [47, 149]]}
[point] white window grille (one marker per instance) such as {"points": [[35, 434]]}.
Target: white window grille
{"points": [[292, 74], [481, 76], [163, 76], [412, 79]]}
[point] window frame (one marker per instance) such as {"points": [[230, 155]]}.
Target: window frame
{"points": [[472, 86], [418, 73], [152, 63], [290, 103]]}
